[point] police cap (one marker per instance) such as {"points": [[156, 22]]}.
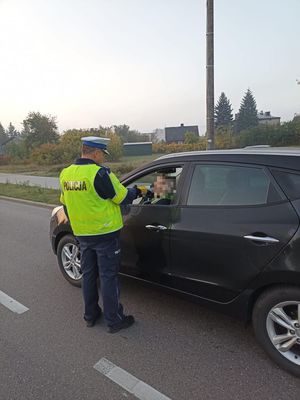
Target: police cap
{"points": [[97, 142]]}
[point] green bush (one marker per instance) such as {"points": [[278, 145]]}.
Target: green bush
{"points": [[224, 138], [123, 169], [47, 154], [190, 138], [165, 148], [71, 143], [287, 134], [5, 159]]}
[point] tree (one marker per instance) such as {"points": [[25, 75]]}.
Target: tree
{"points": [[39, 129], [115, 147], [247, 116], [153, 136], [296, 118], [190, 138], [11, 131], [3, 135], [16, 148], [122, 131], [128, 135], [223, 112], [71, 143], [158, 135]]}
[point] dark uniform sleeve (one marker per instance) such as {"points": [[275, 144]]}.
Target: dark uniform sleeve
{"points": [[105, 189], [103, 184], [132, 194]]}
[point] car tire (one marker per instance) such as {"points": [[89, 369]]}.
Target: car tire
{"points": [[67, 248], [276, 319]]}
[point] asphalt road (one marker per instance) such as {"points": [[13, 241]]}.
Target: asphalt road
{"points": [[183, 350], [44, 181]]}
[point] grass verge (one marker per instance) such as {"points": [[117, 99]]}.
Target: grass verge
{"points": [[33, 193]]}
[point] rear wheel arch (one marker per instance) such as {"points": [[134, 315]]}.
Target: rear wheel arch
{"points": [[290, 278], [59, 237]]}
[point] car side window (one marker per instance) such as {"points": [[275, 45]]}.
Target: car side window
{"points": [[289, 182], [225, 185], [158, 187]]}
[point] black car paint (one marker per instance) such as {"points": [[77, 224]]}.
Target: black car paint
{"points": [[232, 271]]}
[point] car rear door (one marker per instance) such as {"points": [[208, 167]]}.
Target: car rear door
{"points": [[233, 221]]}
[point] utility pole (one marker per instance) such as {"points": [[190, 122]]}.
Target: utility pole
{"points": [[210, 101]]}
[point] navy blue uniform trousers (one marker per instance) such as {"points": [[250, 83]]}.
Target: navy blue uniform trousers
{"points": [[101, 258]]}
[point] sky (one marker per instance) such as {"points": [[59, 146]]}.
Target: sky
{"points": [[143, 62]]}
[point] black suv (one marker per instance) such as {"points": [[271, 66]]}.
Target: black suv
{"points": [[229, 238]]}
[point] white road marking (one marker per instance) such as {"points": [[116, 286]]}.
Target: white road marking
{"points": [[128, 382], [11, 304]]}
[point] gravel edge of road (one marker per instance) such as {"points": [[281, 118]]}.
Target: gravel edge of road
{"points": [[28, 202]]}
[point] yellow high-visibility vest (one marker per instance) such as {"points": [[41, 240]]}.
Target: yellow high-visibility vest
{"points": [[89, 214]]}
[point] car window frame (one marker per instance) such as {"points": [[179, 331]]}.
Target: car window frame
{"points": [[286, 171], [264, 168], [152, 168]]}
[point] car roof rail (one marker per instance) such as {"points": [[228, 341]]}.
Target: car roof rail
{"points": [[257, 146]]}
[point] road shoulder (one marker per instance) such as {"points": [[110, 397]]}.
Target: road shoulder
{"points": [[28, 202]]}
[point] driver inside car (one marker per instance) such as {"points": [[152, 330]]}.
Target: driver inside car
{"points": [[163, 190]]}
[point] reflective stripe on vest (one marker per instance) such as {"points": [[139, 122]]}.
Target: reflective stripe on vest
{"points": [[88, 213]]}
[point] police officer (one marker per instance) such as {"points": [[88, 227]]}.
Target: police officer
{"points": [[92, 196]]}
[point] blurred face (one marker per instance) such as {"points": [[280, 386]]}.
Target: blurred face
{"points": [[98, 156], [163, 186]]}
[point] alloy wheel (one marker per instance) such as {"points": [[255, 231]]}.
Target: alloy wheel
{"points": [[283, 327], [70, 257]]}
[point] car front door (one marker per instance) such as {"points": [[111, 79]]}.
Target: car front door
{"points": [[147, 223], [233, 222]]}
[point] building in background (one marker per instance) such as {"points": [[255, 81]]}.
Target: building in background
{"points": [[137, 149], [177, 134], [265, 118]]}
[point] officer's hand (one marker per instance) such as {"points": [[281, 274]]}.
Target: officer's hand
{"points": [[141, 190]]}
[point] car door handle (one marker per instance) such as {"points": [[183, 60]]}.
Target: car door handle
{"points": [[156, 227], [263, 239]]}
